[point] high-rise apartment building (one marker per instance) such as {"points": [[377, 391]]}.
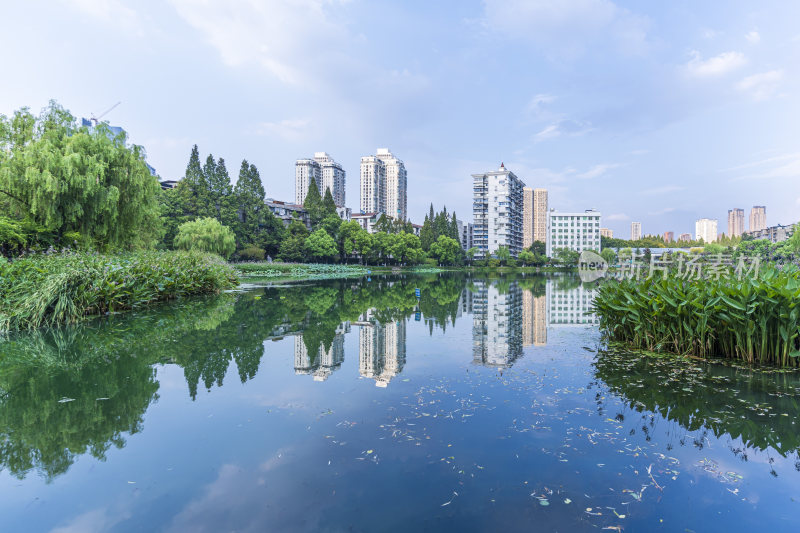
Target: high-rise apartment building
{"points": [[758, 218], [685, 237], [735, 222], [534, 216], [636, 231], [669, 236], [540, 215], [527, 216], [465, 234], [373, 185], [305, 170], [706, 229], [395, 187], [327, 173], [497, 211], [332, 176], [607, 233], [384, 185], [574, 231]]}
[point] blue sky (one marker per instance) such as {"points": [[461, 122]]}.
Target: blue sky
{"points": [[659, 112]]}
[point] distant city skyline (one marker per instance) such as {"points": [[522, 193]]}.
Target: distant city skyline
{"points": [[614, 109]]}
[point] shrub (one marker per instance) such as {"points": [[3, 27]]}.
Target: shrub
{"points": [[751, 320], [252, 253], [45, 290], [206, 235], [493, 262]]}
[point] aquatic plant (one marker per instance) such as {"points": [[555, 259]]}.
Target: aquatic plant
{"points": [[50, 289], [755, 320]]}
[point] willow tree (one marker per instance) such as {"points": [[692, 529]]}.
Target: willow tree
{"points": [[72, 179]]}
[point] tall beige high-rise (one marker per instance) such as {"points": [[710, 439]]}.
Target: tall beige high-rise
{"points": [[527, 217], [758, 218], [540, 215], [534, 216], [735, 222]]}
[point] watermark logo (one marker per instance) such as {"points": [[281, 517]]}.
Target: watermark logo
{"points": [[591, 266]]}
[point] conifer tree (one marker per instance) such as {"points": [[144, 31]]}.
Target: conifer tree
{"points": [[313, 204], [328, 205]]}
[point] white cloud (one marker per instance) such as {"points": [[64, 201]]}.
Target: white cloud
{"points": [[566, 127], [753, 37], [617, 216], [762, 85], [598, 170], [778, 167], [292, 39], [289, 129], [537, 105], [110, 12], [714, 66], [662, 211], [663, 190], [567, 27]]}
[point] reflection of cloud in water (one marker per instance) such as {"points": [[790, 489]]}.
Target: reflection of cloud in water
{"points": [[245, 501], [97, 520]]}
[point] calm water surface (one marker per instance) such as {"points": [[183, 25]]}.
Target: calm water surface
{"points": [[487, 405]]}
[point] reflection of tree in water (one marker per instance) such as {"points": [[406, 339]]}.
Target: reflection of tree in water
{"points": [[51, 415], [760, 408], [103, 371], [69, 391]]}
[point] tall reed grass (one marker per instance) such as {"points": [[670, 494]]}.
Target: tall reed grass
{"points": [[752, 320], [50, 289]]}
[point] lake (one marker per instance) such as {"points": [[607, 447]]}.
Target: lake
{"points": [[351, 405]]}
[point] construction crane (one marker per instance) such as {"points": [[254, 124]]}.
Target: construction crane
{"points": [[96, 119]]}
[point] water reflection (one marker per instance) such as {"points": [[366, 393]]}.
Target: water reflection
{"points": [[83, 390]]}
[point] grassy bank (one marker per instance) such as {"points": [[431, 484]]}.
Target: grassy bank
{"points": [[51, 289], [754, 321]]}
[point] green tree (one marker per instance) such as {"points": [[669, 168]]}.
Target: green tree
{"points": [[794, 240], [526, 257], [206, 235], [538, 248], [364, 245], [328, 205], [566, 257], [609, 256], [292, 248], [321, 246], [313, 204], [471, 254], [249, 197], [503, 254], [445, 250], [72, 180]]}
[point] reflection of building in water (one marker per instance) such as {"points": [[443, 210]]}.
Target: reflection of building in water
{"points": [[325, 361], [465, 303], [570, 306], [496, 324], [534, 319], [381, 349]]}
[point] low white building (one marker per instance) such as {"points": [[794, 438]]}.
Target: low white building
{"points": [[574, 231], [367, 220]]}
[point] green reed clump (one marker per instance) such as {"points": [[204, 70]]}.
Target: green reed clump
{"points": [[755, 320], [50, 289]]}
